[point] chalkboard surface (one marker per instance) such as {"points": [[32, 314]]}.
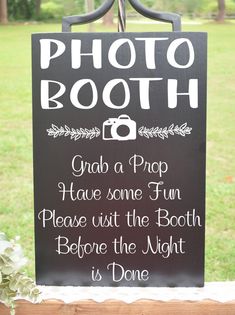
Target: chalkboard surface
{"points": [[119, 131]]}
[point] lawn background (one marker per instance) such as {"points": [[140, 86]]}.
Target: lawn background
{"points": [[16, 184]]}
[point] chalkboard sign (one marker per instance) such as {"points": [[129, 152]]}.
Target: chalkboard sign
{"points": [[119, 125]]}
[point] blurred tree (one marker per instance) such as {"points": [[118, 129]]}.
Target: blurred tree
{"points": [[90, 5], [90, 8], [70, 7], [21, 9], [37, 8], [80, 6], [108, 17], [3, 12], [55, 9], [192, 7], [221, 11]]}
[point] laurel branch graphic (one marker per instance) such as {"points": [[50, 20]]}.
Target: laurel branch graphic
{"points": [[84, 133], [163, 133], [74, 134]]}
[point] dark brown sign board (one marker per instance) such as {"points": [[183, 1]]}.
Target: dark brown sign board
{"points": [[119, 132]]}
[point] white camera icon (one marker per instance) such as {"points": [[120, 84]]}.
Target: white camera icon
{"points": [[122, 128]]}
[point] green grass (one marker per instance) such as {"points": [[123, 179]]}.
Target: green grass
{"points": [[16, 193]]}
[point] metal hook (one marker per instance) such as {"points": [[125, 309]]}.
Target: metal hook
{"points": [[68, 21], [172, 18]]}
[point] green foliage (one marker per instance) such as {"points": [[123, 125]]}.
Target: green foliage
{"points": [[190, 7], [51, 10], [21, 9], [212, 7], [14, 283], [193, 6], [80, 6], [56, 9]]}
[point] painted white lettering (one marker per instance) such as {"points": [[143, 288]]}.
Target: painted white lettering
{"points": [[46, 99], [107, 93], [106, 220], [155, 245], [75, 90], [112, 54], [119, 273], [173, 94], [139, 163], [50, 217], [80, 248], [144, 90], [76, 53], [45, 47], [150, 51], [79, 166], [189, 219], [172, 50]]}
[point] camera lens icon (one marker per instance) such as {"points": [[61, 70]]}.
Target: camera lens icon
{"points": [[122, 128]]}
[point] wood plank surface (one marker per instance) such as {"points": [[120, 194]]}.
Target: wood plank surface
{"points": [[142, 307]]}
